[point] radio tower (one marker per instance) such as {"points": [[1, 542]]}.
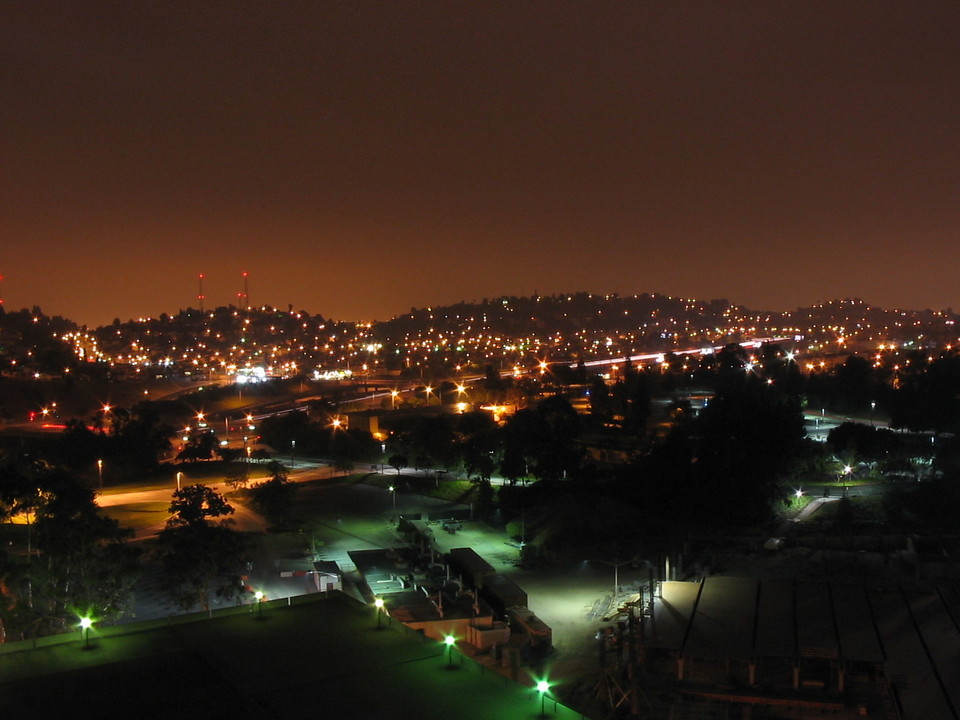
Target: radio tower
{"points": [[200, 295], [1, 291], [246, 292]]}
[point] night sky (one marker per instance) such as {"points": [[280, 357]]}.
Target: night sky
{"points": [[360, 158]]}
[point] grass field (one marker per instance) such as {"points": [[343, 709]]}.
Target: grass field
{"points": [[139, 515]]}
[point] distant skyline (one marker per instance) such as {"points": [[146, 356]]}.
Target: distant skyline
{"points": [[359, 158]]}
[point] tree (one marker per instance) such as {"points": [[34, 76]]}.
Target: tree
{"points": [[199, 553], [82, 563], [275, 495], [195, 504], [398, 461]]}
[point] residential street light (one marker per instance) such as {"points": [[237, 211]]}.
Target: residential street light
{"points": [[616, 575], [259, 597], [542, 687], [449, 641], [378, 603], [100, 474], [85, 625]]}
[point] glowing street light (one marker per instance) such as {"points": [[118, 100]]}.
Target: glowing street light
{"points": [[393, 492], [449, 641], [85, 625], [259, 598], [100, 474], [393, 399], [542, 687], [846, 475], [378, 603], [179, 476], [426, 391]]}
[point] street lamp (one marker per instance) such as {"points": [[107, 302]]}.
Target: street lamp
{"points": [[179, 475], [393, 493], [100, 474], [378, 603], [426, 391], [846, 474], [449, 641], [259, 597], [542, 687], [616, 575], [85, 625]]}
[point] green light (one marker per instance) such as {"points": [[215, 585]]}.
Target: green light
{"points": [[542, 687], [378, 603], [85, 625], [449, 641]]}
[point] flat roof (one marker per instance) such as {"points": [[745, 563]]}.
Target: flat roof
{"points": [[724, 621], [816, 632], [921, 695], [940, 636], [668, 626], [857, 634], [776, 620]]}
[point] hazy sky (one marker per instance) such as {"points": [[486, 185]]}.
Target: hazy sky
{"points": [[360, 158]]}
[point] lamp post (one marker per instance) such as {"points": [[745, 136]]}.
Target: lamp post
{"points": [[393, 493], [179, 475], [542, 687], [449, 641], [259, 597], [616, 575], [846, 474], [378, 603], [85, 625], [393, 399], [100, 474]]}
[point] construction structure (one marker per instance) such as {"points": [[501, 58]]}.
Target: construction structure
{"points": [[787, 648]]}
